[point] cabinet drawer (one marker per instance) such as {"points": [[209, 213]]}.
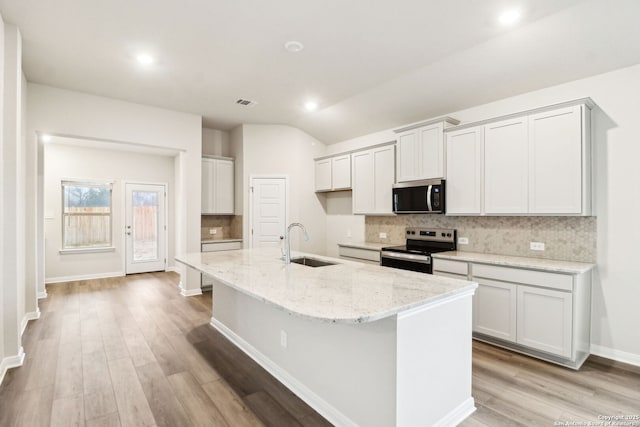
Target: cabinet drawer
{"points": [[366, 254], [536, 278], [456, 267], [452, 275], [222, 246]]}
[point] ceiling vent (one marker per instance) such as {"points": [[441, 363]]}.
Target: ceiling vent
{"points": [[246, 102]]}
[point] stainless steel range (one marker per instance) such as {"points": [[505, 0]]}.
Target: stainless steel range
{"points": [[421, 243]]}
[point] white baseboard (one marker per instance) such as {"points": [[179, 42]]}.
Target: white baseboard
{"points": [[32, 315], [458, 415], [618, 355], [11, 362], [173, 269], [189, 292], [62, 279], [324, 408], [42, 295]]}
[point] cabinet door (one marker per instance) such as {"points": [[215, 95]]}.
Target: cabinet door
{"points": [[408, 156], [223, 195], [544, 320], [341, 172], [494, 309], [431, 151], [464, 173], [555, 161], [207, 187], [384, 177], [506, 177], [363, 176], [323, 175]]}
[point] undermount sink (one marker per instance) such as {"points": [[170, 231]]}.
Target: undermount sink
{"points": [[311, 262]]}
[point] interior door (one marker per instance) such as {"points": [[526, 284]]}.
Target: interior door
{"points": [[145, 228], [269, 207]]}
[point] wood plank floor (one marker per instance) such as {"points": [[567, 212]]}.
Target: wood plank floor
{"points": [[132, 352]]}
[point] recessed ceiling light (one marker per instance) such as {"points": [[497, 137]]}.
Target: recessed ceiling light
{"points": [[293, 46], [45, 138], [144, 59], [509, 17], [311, 106]]}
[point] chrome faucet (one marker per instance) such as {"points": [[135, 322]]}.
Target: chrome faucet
{"points": [[287, 240]]}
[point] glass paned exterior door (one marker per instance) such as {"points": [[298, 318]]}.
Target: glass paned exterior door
{"points": [[145, 229]]}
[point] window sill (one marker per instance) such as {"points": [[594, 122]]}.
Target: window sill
{"points": [[86, 250]]}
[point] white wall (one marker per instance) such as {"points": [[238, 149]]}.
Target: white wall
{"points": [[67, 113], [63, 162], [617, 201], [342, 225], [216, 142], [236, 151], [4, 309], [276, 149], [13, 266], [29, 196]]}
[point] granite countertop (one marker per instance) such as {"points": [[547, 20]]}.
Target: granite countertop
{"points": [[220, 240], [347, 292], [368, 245], [551, 265]]}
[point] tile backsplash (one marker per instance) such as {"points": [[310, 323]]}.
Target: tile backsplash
{"points": [[226, 226], [565, 238]]}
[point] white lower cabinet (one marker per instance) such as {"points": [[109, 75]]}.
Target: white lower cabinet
{"points": [[366, 255], [545, 320], [539, 313], [494, 309]]}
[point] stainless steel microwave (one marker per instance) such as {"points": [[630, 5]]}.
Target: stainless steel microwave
{"points": [[419, 197]]}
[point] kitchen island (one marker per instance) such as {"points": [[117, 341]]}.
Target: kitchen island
{"points": [[363, 345]]}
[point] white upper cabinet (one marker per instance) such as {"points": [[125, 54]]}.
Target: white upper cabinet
{"points": [[506, 177], [333, 173], [217, 186], [557, 141], [464, 171], [535, 163], [323, 175], [420, 150], [363, 182], [408, 161], [341, 172], [373, 176]]}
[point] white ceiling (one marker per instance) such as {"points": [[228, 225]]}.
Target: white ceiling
{"points": [[371, 64]]}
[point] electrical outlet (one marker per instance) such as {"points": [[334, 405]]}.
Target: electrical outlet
{"points": [[349, 233], [283, 338], [463, 240], [213, 231], [383, 235], [536, 246]]}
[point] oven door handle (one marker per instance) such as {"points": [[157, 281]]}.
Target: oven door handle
{"points": [[422, 259]]}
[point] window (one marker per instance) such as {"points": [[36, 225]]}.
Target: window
{"points": [[86, 215]]}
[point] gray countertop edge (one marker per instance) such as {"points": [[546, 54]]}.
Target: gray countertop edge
{"points": [[542, 264], [469, 289]]}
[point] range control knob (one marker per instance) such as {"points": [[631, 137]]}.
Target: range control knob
{"points": [[443, 234], [448, 234]]}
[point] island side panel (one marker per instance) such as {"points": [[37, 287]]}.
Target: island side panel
{"points": [[347, 372], [434, 364]]}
